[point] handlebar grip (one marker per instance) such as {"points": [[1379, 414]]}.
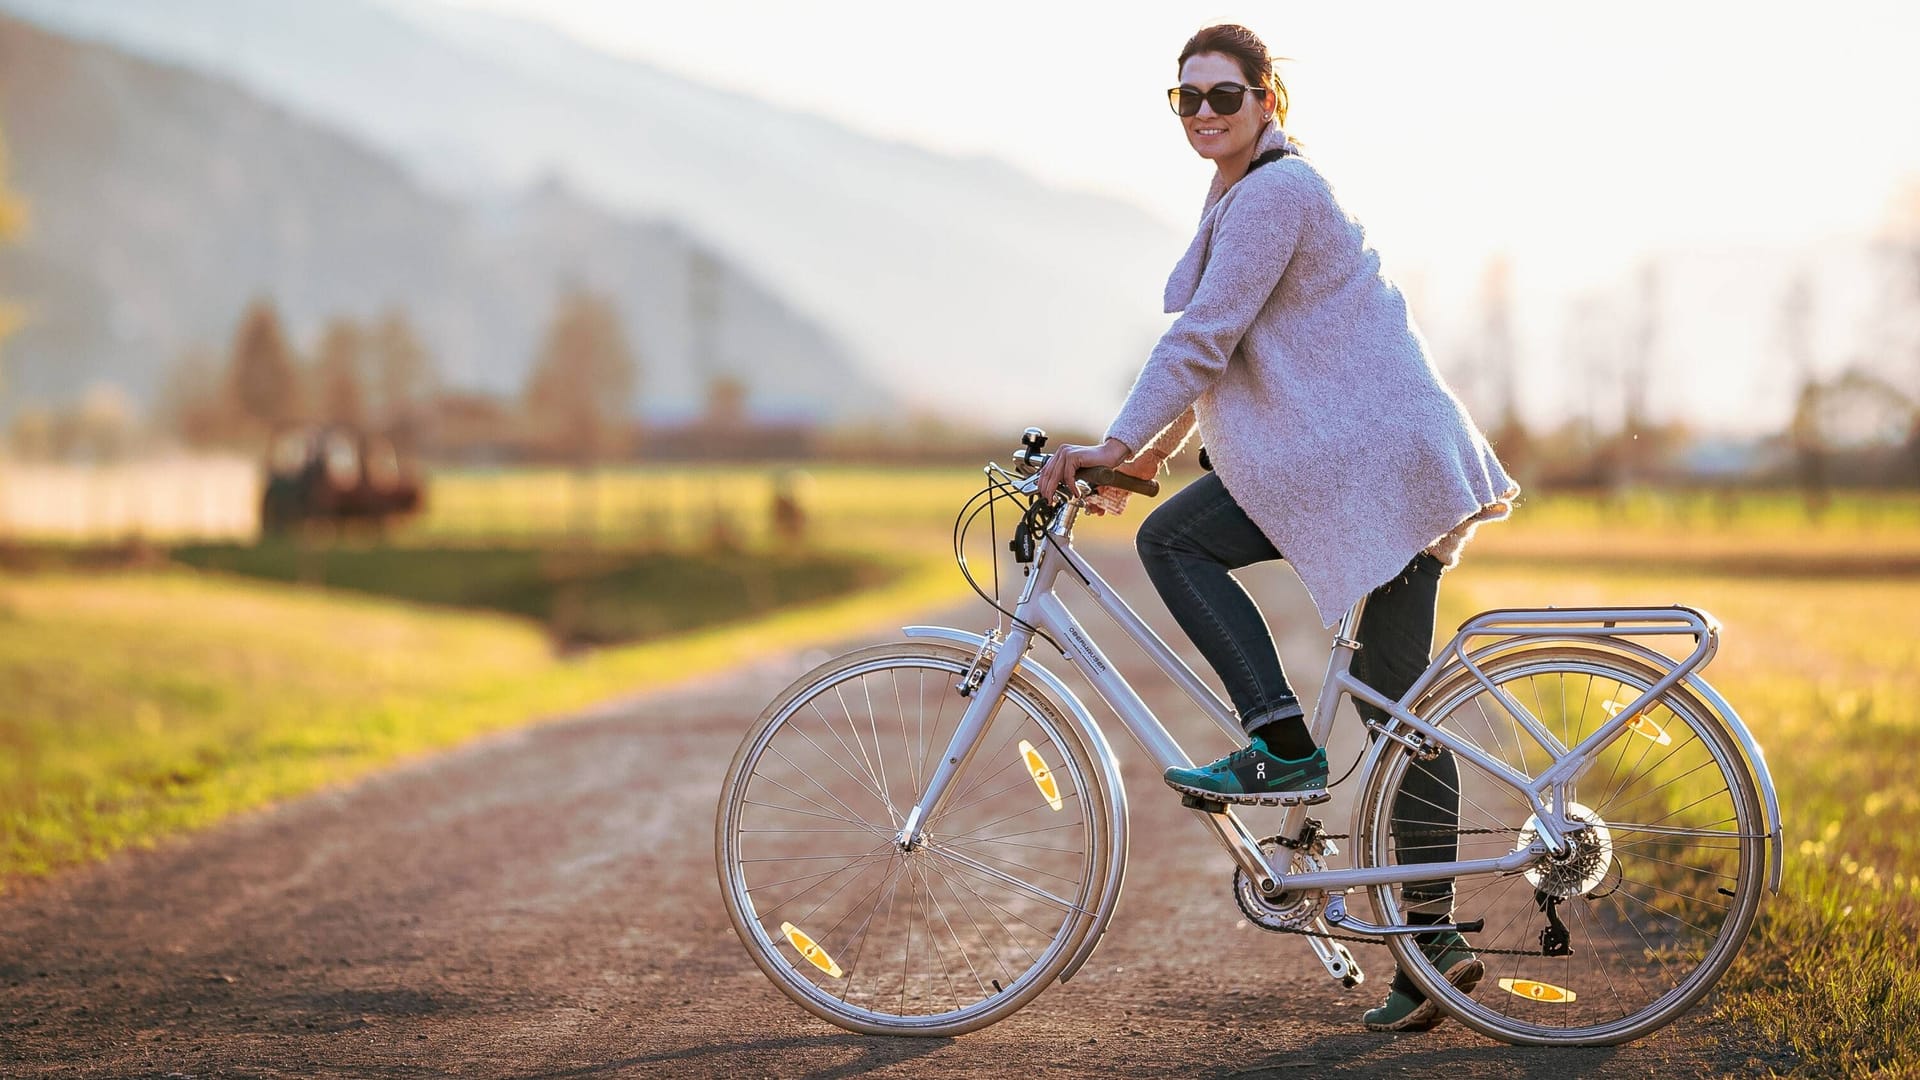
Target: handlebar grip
{"points": [[1105, 477]]}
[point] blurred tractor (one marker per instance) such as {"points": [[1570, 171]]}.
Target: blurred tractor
{"points": [[337, 475]]}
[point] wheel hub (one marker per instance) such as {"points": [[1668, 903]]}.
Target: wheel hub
{"points": [[1579, 869]]}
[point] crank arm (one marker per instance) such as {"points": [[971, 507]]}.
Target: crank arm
{"points": [[1336, 958]]}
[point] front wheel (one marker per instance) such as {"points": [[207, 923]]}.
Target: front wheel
{"points": [[1638, 920], [965, 928]]}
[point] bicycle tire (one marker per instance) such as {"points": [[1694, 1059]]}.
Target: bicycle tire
{"points": [[1655, 910], [849, 964]]}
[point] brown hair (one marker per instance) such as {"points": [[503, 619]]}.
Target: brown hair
{"points": [[1247, 50]]}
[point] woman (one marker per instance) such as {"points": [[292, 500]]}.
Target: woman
{"points": [[1333, 442]]}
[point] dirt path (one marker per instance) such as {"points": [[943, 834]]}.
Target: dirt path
{"points": [[545, 905]]}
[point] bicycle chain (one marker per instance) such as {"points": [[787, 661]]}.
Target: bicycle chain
{"points": [[1382, 942], [1359, 940]]}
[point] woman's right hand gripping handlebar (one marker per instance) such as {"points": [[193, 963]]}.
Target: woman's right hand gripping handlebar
{"points": [[1070, 460]]}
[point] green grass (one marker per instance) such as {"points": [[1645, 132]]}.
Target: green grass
{"points": [[685, 505], [1827, 674], [582, 597], [145, 704]]}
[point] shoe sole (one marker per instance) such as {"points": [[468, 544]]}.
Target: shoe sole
{"points": [[1287, 798], [1426, 1016]]}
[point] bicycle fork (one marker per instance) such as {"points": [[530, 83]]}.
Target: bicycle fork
{"points": [[984, 704], [984, 694]]}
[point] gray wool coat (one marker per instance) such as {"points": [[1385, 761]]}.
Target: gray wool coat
{"points": [[1320, 407]]}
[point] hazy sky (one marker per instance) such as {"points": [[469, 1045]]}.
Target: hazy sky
{"points": [[1574, 138]]}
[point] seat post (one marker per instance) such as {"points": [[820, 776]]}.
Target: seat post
{"points": [[1346, 635]]}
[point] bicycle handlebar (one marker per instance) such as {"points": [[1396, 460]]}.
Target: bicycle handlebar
{"points": [[1101, 476], [1029, 460]]}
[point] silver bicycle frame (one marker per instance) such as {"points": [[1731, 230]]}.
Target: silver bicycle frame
{"points": [[1039, 610]]}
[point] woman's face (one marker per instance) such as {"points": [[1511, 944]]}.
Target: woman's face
{"points": [[1211, 135]]}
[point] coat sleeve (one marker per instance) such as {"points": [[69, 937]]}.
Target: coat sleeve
{"points": [[1252, 242], [1174, 437]]}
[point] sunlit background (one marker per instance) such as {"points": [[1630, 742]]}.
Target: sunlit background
{"points": [[377, 373], [1688, 224], [1729, 145]]}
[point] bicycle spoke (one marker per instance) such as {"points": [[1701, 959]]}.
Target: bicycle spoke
{"points": [[989, 899], [825, 817], [888, 883], [973, 922], [1660, 882], [999, 875], [995, 910]]}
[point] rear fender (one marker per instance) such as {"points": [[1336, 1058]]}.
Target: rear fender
{"points": [[1756, 760]]}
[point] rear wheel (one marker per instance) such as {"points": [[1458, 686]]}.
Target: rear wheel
{"points": [[968, 926], [1631, 927]]}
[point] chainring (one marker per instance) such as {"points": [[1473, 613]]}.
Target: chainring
{"points": [[1291, 910]]}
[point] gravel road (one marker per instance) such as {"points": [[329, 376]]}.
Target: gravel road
{"points": [[544, 904]]}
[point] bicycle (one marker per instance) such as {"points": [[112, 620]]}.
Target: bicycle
{"points": [[1613, 817]]}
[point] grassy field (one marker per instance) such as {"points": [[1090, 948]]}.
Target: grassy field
{"points": [[142, 704], [582, 597], [147, 701], [1826, 671], [679, 506], [117, 733]]}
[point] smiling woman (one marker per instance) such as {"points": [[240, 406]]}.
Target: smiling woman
{"points": [[1211, 93], [1332, 442]]}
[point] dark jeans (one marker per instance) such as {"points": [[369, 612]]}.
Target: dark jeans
{"points": [[1191, 545]]}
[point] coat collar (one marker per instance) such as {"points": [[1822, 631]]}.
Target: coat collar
{"points": [[1271, 137], [1185, 278]]}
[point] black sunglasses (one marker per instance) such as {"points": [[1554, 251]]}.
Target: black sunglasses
{"points": [[1225, 98]]}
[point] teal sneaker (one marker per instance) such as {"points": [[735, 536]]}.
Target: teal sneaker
{"points": [[1402, 1011], [1252, 775]]}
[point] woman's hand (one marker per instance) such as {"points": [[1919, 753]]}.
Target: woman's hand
{"points": [[1146, 466], [1070, 459], [1113, 500]]}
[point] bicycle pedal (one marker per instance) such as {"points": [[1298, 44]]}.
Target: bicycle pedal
{"points": [[1195, 802]]}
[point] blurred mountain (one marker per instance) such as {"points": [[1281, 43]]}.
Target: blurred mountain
{"points": [[163, 200], [949, 277]]}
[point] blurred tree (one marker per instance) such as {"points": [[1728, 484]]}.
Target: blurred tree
{"points": [[105, 423], [339, 383], [469, 425], [1636, 375], [703, 307], [403, 380], [33, 436], [261, 376], [193, 404], [726, 402], [579, 396], [1901, 241], [1804, 432], [13, 223], [1501, 367], [1586, 346]]}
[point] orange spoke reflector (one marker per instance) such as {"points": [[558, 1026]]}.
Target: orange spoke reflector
{"points": [[1536, 991], [1640, 725], [1042, 776], [811, 950]]}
